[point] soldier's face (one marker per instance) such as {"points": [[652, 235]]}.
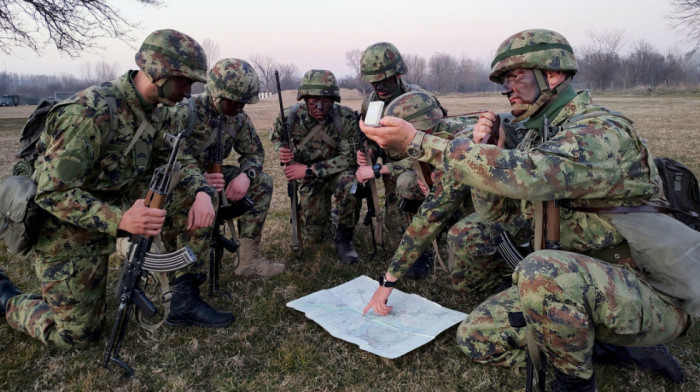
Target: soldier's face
{"points": [[176, 88], [386, 88], [229, 107], [520, 86], [318, 107]]}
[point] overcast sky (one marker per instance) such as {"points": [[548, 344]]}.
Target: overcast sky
{"points": [[317, 34]]}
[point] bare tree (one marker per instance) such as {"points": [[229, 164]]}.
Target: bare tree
{"points": [[212, 49], [600, 60], [265, 67], [686, 18], [416, 68], [443, 69], [72, 25], [353, 60], [289, 76], [99, 71]]}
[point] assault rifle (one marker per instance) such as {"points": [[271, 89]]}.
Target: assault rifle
{"points": [[368, 191], [139, 263], [288, 142], [225, 214]]}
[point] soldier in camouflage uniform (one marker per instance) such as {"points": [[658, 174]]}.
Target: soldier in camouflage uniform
{"points": [[325, 136], [381, 65], [89, 190], [578, 304], [232, 84], [444, 200]]}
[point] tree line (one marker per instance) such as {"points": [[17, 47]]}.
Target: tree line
{"points": [[603, 65]]}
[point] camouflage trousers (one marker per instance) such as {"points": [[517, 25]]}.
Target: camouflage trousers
{"points": [[477, 268], [315, 204], [570, 300], [251, 223], [71, 264]]}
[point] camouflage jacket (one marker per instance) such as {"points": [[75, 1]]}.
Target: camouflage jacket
{"points": [[447, 198], [246, 141], [69, 181], [325, 158], [593, 160]]}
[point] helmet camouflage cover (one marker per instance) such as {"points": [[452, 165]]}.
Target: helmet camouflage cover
{"points": [[234, 79], [166, 53], [380, 61], [536, 48], [416, 107], [319, 83]]}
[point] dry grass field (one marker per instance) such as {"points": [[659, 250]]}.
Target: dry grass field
{"points": [[273, 348]]}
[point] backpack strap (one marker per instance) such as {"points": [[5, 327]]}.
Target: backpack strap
{"points": [[191, 117], [335, 113]]}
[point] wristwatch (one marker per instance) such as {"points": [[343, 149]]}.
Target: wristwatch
{"points": [[377, 168], [309, 172], [250, 172], [384, 282], [414, 149]]}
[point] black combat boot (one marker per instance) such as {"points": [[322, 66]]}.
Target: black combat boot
{"points": [[655, 358], [343, 244], [188, 308], [565, 383], [7, 291], [422, 267]]}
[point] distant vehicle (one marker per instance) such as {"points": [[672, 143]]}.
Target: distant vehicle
{"points": [[9, 100]]}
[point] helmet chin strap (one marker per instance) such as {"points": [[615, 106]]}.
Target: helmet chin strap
{"points": [[161, 96], [544, 96]]}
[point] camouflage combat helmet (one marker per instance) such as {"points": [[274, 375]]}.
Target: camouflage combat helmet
{"points": [[533, 49], [166, 53], [380, 61], [234, 79], [416, 107], [319, 83]]}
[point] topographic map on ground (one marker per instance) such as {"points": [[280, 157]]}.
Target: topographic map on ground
{"points": [[413, 322]]}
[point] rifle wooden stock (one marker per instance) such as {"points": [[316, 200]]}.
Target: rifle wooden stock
{"points": [[214, 168], [154, 199]]}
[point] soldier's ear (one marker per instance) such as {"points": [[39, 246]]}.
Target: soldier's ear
{"points": [[554, 78]]}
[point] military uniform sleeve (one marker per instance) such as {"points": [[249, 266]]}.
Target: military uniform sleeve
{"points": [[581, 162], [70, 161], [249, 147], [277, 132], [431, 219]]}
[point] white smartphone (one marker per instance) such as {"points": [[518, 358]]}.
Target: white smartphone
{"points": [[374, 113]]}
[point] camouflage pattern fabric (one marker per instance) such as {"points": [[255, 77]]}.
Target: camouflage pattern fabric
{"points": [[85, 208], [166, 53], [234, 79], [569, 299], [246, 144], [533, 49], [395, 220], [334, 167], [380, 61], [319, 83]]}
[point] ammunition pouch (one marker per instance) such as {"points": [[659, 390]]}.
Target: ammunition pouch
{"points": [[21, 216]]}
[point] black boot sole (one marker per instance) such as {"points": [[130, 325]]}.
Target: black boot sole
{"points": [[188, 323]]}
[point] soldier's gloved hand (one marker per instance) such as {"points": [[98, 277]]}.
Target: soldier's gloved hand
{"points": [[364, 173], [201, 213], [238, 188], [216, 180], [484, 128], [286, 155], [142, 220], [393, 134], [295, 171], [361, 158]]}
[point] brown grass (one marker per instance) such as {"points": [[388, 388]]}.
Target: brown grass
{"points": [[273, 348]]}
